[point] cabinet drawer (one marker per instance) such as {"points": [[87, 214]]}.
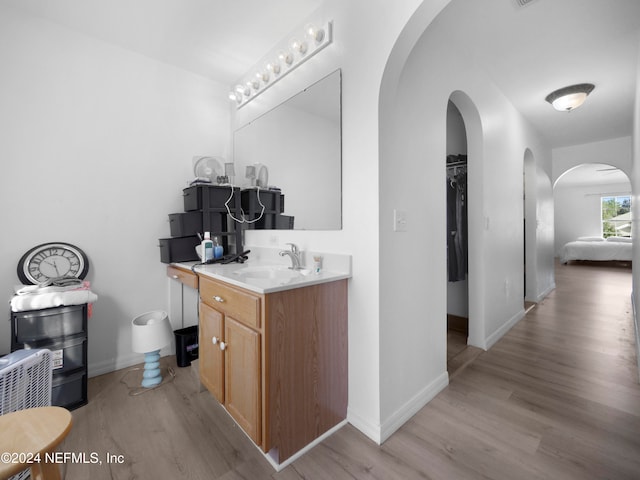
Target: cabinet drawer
{"points": [[35, 325], [241, 305], [189, 279], [69, 354], [69, 390]]}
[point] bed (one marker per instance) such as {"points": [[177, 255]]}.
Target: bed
{"points": [[617, 249]]}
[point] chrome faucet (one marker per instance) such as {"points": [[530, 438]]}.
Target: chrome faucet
{"points": [[294, 254]]}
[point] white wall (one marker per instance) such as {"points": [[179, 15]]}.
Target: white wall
{"points": [[362, 58], [412, 139], [578, 212], [96, 145], [616, 152]]}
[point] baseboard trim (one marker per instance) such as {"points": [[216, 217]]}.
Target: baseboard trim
{"points": [[498, 334], [413, 406], [279, 466], [370, 429], [544, 294], [120, 362]]}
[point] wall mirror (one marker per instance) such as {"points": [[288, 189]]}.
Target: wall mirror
{"points": [[299, 142]]}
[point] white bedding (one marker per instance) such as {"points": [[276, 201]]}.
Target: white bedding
{"points": [[597, 251]]}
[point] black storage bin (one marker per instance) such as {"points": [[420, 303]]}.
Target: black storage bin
{"points": [[185, 224], [63, 330], [191, 223], [284, 222], [32, 327], [204, 197], [186, 345], [178, 249], [69, 390], [272, 200]]}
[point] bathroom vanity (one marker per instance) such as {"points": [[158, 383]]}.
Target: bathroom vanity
{"points": [[273, 351]]}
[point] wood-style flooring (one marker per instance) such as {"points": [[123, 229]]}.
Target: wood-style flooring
{"points": [[556, 398]]}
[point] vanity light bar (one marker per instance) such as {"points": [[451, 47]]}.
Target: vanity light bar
{"points": [[299, 49]]}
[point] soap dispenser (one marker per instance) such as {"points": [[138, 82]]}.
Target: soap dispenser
{"points": [[207, 248], [217, 248]]}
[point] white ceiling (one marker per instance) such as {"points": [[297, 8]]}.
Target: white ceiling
{"points": [[219, 39], [528, 51]]}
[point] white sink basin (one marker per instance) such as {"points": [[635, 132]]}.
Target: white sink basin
{"points": [[278, 273]]}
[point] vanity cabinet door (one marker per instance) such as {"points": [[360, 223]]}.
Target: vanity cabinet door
{"points": [[210, 354], [243, 377]]}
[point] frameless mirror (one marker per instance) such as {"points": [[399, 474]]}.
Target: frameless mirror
{"points": [[299, 143]]}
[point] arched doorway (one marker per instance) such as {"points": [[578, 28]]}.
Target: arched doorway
{"points": [[592, 200]]}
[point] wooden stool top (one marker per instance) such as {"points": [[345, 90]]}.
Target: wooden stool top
{"points": [[31, 431]]}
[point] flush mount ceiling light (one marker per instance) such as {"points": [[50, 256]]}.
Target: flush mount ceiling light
{"points": [[570, 98], [284, 59]]}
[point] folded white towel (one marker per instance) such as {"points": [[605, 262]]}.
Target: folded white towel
{"points": [[33, 297]]}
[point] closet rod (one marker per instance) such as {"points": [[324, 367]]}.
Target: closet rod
{"points": [[457, 164]]}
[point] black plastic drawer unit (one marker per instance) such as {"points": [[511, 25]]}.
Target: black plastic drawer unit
{"points": [[63, 330]]}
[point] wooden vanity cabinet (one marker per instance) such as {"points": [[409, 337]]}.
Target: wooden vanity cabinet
{"points": [[278, 361], [230, 346]]}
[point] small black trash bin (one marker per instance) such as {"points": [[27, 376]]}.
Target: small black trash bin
{"points": [[186, 345]]}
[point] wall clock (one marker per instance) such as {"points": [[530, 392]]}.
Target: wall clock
{"points": [[52, 260]]}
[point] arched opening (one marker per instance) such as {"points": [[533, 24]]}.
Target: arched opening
{"points": [[592, 204], [463, 221]]}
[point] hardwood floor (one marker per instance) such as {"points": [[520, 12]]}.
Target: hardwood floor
{"points": [[556, 398]]}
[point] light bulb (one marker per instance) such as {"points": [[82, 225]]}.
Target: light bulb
{"points": [[314, 33], [262, 76], [286, 57], [255, 83], [243, 90], [274, 67], [299, 46], [234, 96]]}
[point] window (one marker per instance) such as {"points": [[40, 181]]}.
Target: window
{"points": [[616, 216]]}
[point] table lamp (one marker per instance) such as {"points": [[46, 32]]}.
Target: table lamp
{"points": [[150, 332]]}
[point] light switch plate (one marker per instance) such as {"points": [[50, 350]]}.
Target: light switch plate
{"points": [[399, 220]]}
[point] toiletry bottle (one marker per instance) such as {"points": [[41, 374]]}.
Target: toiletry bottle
{"points": [[207, 248], [217, 248]]}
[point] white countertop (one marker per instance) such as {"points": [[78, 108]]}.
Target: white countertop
{"points": [[262, 259]]}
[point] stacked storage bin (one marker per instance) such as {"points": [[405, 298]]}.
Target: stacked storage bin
{"points": [[63, 330], [272, 218], [204, 211]]}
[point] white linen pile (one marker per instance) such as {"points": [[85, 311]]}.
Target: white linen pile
{"points": [[34, 297], [598, 249]]}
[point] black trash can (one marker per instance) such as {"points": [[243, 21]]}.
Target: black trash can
{"points": [[186, 345]]}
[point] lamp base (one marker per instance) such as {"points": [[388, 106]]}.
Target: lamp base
{"points": [[151, 376]]}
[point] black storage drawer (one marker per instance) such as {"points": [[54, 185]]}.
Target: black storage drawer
{"points": [[178, 249], [192, 223], [69, 390], [69, 354], [63, 330], [35, 326], [272, 200], [204, 197]]}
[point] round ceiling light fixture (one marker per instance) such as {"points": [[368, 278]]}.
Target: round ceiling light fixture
{"points": [[570, 98]]}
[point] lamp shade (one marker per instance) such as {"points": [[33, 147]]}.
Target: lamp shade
{"points": [[150, 331]]}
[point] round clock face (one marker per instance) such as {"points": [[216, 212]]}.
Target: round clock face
{"points": [[52, 260]]}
